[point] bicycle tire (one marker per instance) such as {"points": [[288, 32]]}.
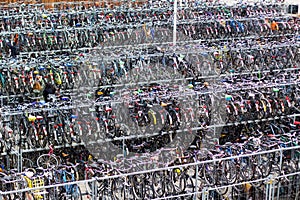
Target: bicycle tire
{"points": [[67, 135], [88, 185], [2, 145], [138, 187], [221, 181], [43, 138], [149, 194], [169, 187], [230, 171], [183, 183], [76, 130], [246, 173], [50, 136], [8, 145], [59, 136], [257, 175], [208, 174], [27, 163], [157, 181], [52, 193], [76, 193], [31, 140], [47, 160], [118, 188]]}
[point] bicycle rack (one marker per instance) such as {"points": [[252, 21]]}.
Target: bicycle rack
{"points": [[205, 193], [270, 188], [269, 181]]}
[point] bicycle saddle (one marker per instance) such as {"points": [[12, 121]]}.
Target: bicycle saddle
{"points": [[39, 117], [65, 98]]}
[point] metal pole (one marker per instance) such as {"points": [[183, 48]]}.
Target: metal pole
{"points": [[94, 190], [19, 160], [273, 189], [20, 151], [270, 188], [280, 167], [278, 190], [280, 160], [124, 152], [196, 183], [175, 22], [267, 190], [205, 192]]}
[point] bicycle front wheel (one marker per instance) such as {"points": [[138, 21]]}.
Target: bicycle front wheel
{"points": [[45, 161], [76, 193]]}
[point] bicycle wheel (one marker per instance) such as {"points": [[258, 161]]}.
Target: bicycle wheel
{"points": [[59, 136], [88, 185], [179, 182], [67, 135], [45, 161], [31, 140], [76, 193], [190, 186], [221, 181], [43, 138], [246, 171], [138, 184], [27, 163], [118, 188], [76, 133], [158, 184], [209, 174], [257, 175], [169, 187], [52, 193], [149, 194], [8, 145], [2, 145]]}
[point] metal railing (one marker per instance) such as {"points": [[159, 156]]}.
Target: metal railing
{"points": [[271, 186]]}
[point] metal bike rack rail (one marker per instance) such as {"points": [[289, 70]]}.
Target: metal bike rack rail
{"points": [[269, 181], [179, 46]]}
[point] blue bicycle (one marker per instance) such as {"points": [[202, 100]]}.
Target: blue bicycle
{"points": [[65, 174]]}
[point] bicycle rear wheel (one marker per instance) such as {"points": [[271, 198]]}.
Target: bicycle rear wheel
{"points": [[67, 135]]}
